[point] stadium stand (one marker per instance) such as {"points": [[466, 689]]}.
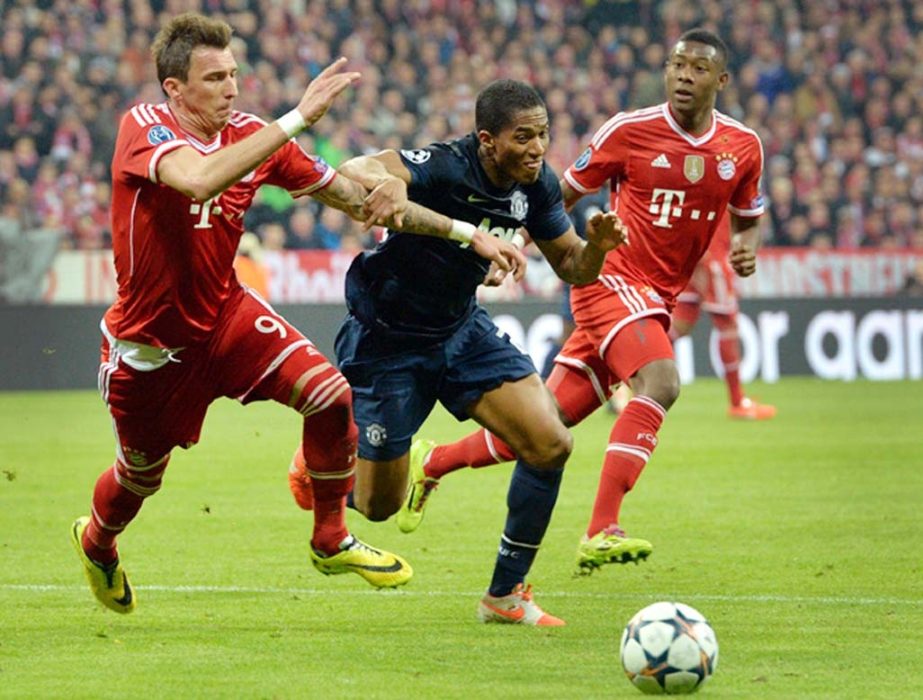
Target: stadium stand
{"points": [[832, 88]]}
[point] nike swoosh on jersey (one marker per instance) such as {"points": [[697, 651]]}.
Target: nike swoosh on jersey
{"points": [[474, 199]]}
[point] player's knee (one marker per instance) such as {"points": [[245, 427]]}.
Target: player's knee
{"points": [[658, 380], [666, 391], [378, 507], [142, 480], [317, 391], [331, 413], [338, 410], [551, 450]]}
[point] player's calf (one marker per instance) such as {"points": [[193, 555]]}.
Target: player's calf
{"points": [[299, 482]]}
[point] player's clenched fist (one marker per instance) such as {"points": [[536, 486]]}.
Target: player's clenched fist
{"points": [[606, 231], [505, 257], [742, 258]]}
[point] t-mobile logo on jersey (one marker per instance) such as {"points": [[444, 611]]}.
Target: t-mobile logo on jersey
{"points": [[662, 206], [665, 209], [203, 210]]}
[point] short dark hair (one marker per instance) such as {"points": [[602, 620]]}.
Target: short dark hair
{"points": [[704, 36], [174, 43], [499, 103]]}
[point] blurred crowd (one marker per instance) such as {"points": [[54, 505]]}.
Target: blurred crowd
{"points": [[832, 86]]}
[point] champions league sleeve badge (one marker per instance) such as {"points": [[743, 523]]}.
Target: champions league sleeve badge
{"points": [[418, 156], [583, 160], [159, 134]]}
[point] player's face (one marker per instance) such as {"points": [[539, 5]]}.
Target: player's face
{"points": [[693, 77], [208, 94], [518, 150]]}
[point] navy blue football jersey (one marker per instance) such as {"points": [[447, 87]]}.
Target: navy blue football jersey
{"points": [[425, 286]]}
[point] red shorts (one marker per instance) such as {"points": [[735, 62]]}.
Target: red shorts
{"points": [[711, 288], [602, 311], [157, 410]]}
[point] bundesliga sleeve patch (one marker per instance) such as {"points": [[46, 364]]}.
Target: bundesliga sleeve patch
{"points": [[158, 134], [417, 155], [583, 160]]}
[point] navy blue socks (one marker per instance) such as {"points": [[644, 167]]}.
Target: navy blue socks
{"points": [[530, 502]]}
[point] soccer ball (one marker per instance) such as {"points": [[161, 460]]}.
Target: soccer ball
{"points": [[669, 648]]}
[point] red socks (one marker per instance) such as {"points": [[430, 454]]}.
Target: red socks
{"points": [[631, 442], [331, 465], [117, 498], [479, 449], [729, 350], [329, 439]]}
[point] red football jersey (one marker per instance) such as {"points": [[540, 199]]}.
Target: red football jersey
{"points": [[670, 188], [720, 246], [174, 255]]}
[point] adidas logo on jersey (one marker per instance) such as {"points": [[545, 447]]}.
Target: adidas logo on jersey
{"points": [[660, 161]]}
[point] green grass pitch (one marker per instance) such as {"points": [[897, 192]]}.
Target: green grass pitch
{"points": [[801, 539]]}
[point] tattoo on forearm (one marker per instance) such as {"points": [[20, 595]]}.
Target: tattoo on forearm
{"points": [[343, 194], [420, 220], [348, 196]]}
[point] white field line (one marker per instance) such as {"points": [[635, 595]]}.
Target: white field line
{"points": [[328, 592]]}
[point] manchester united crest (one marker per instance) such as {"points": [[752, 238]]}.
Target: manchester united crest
{"points": [[519, 205], [694, 168]]}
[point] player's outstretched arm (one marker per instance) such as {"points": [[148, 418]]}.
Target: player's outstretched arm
{"points": [[578, 261], [745, 241], [350, 196], [203, 177], [322, 91], [571, 196], [386, 178]]}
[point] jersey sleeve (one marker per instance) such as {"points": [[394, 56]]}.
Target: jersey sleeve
{"points": [[430, 168], [747, 199], [145, 136], [547, 219], [297, 171], [603, 160]]}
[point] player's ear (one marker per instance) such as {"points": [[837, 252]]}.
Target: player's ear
{"points": [[723, 80], [486, 139], [171, 87]]}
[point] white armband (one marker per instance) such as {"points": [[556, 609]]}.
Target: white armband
{"points": [[462, 231], [292, 123]]}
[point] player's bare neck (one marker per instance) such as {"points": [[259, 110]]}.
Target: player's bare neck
{"points": [[698, 126], [193, 124], [695, 123], [494, 174]]}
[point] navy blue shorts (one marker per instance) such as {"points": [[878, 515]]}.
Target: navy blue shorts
{"points": [[395, 388]]}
